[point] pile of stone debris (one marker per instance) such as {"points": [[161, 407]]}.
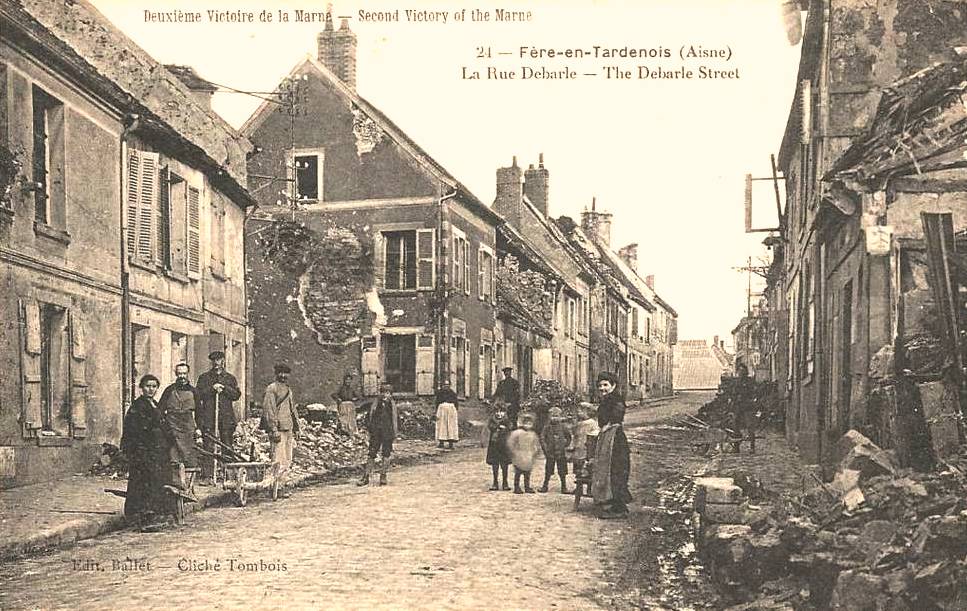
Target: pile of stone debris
{"points": [[112, 462], [877, 537], [322, 447]]}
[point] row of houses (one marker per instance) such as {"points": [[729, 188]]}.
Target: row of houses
{"points": [[124, 199], [861, 322], [366, 256]]}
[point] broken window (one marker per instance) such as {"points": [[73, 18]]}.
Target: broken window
{"points": [[400, 260], [305, 173]]}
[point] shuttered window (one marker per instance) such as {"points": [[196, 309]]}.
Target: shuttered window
{"points": [[425, 252], [164, 217], [142, 193], [194, 233]]}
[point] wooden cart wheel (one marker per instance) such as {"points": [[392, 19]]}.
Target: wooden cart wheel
{"points": [[179, 509], [240, 478]]}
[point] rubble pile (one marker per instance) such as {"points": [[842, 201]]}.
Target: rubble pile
{"points": [[876, 537], [321, 447], [763, 402], [112, 462]]}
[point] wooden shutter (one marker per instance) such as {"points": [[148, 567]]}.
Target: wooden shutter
{"points": [[194, 233], [806, 111], [466, 267], [466, 368], [78, 375], [481, 371], [426, 260], [164, 217], [453, 362], [370, 365], [425, 359], [134, 196], [31, 407], [492, 275], [480, 274], [147, 206]]}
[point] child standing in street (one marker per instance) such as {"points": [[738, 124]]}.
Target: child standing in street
{"points": [[498, 457], [523, 445], [555, 439]]}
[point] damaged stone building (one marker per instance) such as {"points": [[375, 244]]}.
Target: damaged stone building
{"points": [[876, 136], [366, 255], [120, 191], [544, 286]]}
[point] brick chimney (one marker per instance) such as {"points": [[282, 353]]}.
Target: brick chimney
{"points": [[201, 90], [597, 224], [629, 254], [509, 193], [536, 185], [337, 50], [650, 281]]}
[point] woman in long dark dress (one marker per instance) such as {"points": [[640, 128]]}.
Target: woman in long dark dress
{"points": [[145, 442], [612, 462]]}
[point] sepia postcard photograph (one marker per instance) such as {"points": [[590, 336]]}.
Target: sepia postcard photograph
{"points": [[483, 304]]}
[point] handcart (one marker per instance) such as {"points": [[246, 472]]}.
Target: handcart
{"points": [[242, 474], [706, 436]]}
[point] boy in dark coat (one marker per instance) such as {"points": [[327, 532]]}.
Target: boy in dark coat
{"points": [[498, 456], [382, 423], [555, 439]]}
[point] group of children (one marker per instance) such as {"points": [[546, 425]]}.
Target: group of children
{"points": [[518, 443]]}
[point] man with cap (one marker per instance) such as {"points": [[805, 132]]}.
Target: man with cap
{"points": [[508, 391], [217, 386]]}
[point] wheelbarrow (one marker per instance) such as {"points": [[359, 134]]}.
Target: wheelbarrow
{"points": [[182, 488]]}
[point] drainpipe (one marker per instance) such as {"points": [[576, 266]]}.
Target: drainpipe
{"points": [[131, 122], [441, 289]]}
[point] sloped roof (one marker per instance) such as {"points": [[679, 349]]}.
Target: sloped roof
{"points": [[389, 128], [918, 119], [695, 366], [86, 46]]}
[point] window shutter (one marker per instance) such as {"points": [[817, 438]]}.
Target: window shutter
{"points": [[466, 267], [806, 111], [194, 233], [78, 375], [370, 365], [424, 364], [30, 365], [425, 255], [456, 262], [453, 362], [480, 274], [147, 206], [492, 275], [164, 217], [134, 197], [466, 369], [481, 370]]}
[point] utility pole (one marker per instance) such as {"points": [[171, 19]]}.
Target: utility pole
{"points": [[759, 270]]}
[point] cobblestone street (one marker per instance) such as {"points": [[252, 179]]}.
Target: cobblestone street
{"points": [[434, 538]]}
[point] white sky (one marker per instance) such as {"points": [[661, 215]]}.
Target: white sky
{"points": [[667, 158]]}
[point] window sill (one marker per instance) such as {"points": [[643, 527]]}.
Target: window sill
{"points": [[58, 235], [177, 276], [47, 440], [401, 292]]}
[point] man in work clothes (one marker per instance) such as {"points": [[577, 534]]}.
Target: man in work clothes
{"points": [[382, 425], [178, 404], [508, 391], [282, 420], [216, 382]]}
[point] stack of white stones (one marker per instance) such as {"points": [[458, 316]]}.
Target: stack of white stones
{"points": [[719, 501]]}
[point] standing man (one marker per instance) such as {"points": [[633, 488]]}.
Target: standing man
{"points": [[508, 391], [282, 421], [383, 426], [216, 383], [178, 404]]}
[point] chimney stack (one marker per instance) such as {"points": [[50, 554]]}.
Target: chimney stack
{"points": [[715, 341], [201, 90], [509, 194], [337, 50], [629, 254], [650, 281], [536, 185], [596, 224]]}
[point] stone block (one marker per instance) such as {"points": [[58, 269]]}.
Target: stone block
{"points": [[941, 411], [702, 485], [724, 513]]}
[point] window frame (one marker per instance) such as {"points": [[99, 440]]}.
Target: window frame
{"points": [[292, 174]]}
